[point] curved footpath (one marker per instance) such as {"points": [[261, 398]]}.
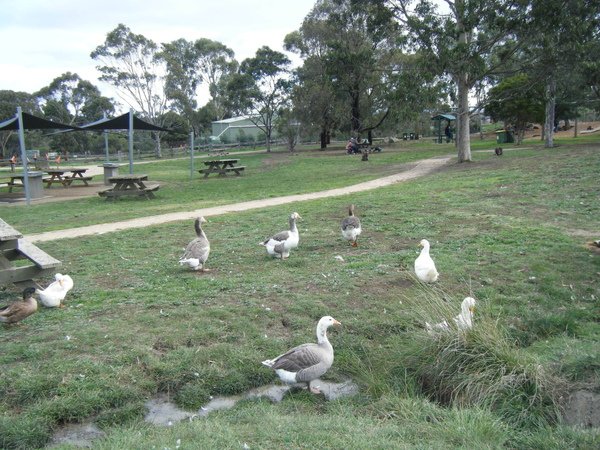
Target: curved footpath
{"points": [[422, 168]]}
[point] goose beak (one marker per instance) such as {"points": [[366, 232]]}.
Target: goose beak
{"points": [[472, 309], [335, 322]]}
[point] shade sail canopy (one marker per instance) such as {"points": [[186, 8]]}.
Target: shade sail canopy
{"points": [[122, 123], [444, 117], [31, 122]]}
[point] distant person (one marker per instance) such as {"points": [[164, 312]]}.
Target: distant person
{"points": [[448, 133], [352, 146]]}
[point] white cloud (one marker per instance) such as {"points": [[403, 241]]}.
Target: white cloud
{"points": [[42, 39]]}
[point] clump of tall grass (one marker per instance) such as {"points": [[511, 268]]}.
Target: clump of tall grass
{"points": [[478, 366]]}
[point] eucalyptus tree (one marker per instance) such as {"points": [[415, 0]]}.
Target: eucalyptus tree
{"points": [[132, 64], [261, 88], [192, 64], [348, 45], [458, 38], [71, 100], [313, 96], [9, 100], [516, 100], [216, 63], [563, 33]]}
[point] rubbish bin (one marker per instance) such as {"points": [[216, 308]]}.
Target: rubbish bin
{"points": [[504, 136], [110, 170], [36, 188], [405, 137], [412, 136]]}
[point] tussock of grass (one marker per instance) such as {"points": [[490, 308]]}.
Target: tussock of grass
{"points": [[480, 366]]}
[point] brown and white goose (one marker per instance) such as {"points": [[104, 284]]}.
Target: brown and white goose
{"points": [[197, 251], [20, 309], [279, 245], [306, 362], [351, 227]]}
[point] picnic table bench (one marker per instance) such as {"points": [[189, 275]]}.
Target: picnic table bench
{"points": [[129, 185], [58, 176], [13, 247], [222, 167]]}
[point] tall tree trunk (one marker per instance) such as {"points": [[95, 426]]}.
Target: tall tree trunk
{"points": [[323, 137], [158, 149], [576, 124], [355, 109], [463, 138], [550, 106]]}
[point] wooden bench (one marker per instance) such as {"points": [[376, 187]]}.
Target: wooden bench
{"points": [[147, 192], [13, 184], [14, 247], [85, 180], [238, 170]]}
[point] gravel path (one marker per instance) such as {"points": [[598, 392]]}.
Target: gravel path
{"points": [[422, 168]]}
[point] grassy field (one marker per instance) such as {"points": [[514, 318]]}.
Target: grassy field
{"points": [[510, 231]]}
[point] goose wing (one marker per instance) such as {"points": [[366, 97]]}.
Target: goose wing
{"points": [[350, 222], [198, 248]]}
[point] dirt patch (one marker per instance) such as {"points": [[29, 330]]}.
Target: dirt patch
{"points": [[54, 194], [583, 409]]}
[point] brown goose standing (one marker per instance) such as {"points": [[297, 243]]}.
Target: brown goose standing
{"points": [[351, 227], [19, 310], [306, 362], [197, 251]]}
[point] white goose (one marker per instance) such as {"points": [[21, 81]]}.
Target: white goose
{"points": [[197, 251], [56, 291], [464, 321], [424, 265], [351, 228], [306, 362], [279, 245]]}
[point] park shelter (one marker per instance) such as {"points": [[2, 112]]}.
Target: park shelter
{"points": [[437, 127], [127, 121], [25, 121]]}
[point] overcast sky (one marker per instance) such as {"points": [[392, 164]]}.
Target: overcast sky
{"points": [[42, 39]]}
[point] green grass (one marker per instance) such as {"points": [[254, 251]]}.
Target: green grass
{"points": [[266, 175], [510, 231]]}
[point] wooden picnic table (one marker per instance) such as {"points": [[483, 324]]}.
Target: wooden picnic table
{"points": [[222, 167], [14, 247], [58, 176], [16, 180], [129, 185]]}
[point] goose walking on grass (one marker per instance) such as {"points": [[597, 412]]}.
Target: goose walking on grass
{"points": [[464, 321], [55, 293], [424, 265], [306, 362], [351, 228], [197, 251], [20, 309], [279, 245]]}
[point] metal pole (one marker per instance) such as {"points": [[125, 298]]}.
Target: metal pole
{"points": [[105, 141], [191, 155], [23, 155], [130, 141]]}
